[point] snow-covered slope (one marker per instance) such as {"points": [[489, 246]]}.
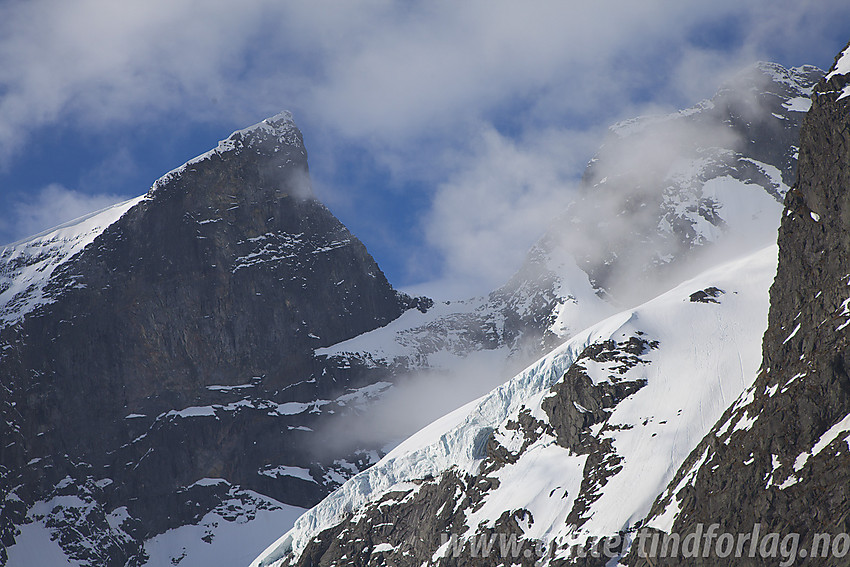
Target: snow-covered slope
{"points": [[583, 440], [27, 266], [230, 534]]}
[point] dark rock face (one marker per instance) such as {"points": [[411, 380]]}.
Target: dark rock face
{"points": [[779, 457], [180, 345], [578, 403]]}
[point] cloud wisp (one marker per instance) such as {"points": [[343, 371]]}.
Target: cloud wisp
{"points": [[414, 401], [54, 205], [440, 95]]}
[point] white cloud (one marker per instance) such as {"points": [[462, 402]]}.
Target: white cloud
{"points": [[102, 62], [52, 206], [381, 72], [413, 402], [412, 84], [498, 202]]}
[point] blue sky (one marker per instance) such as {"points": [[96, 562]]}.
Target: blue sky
{"points": [[444, 134]]}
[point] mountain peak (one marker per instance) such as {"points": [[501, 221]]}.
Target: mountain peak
{"points": [[189, 319], [276, 137], [279, 129]]}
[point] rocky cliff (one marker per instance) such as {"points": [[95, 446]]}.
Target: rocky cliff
{"points": [[171, 339]]}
